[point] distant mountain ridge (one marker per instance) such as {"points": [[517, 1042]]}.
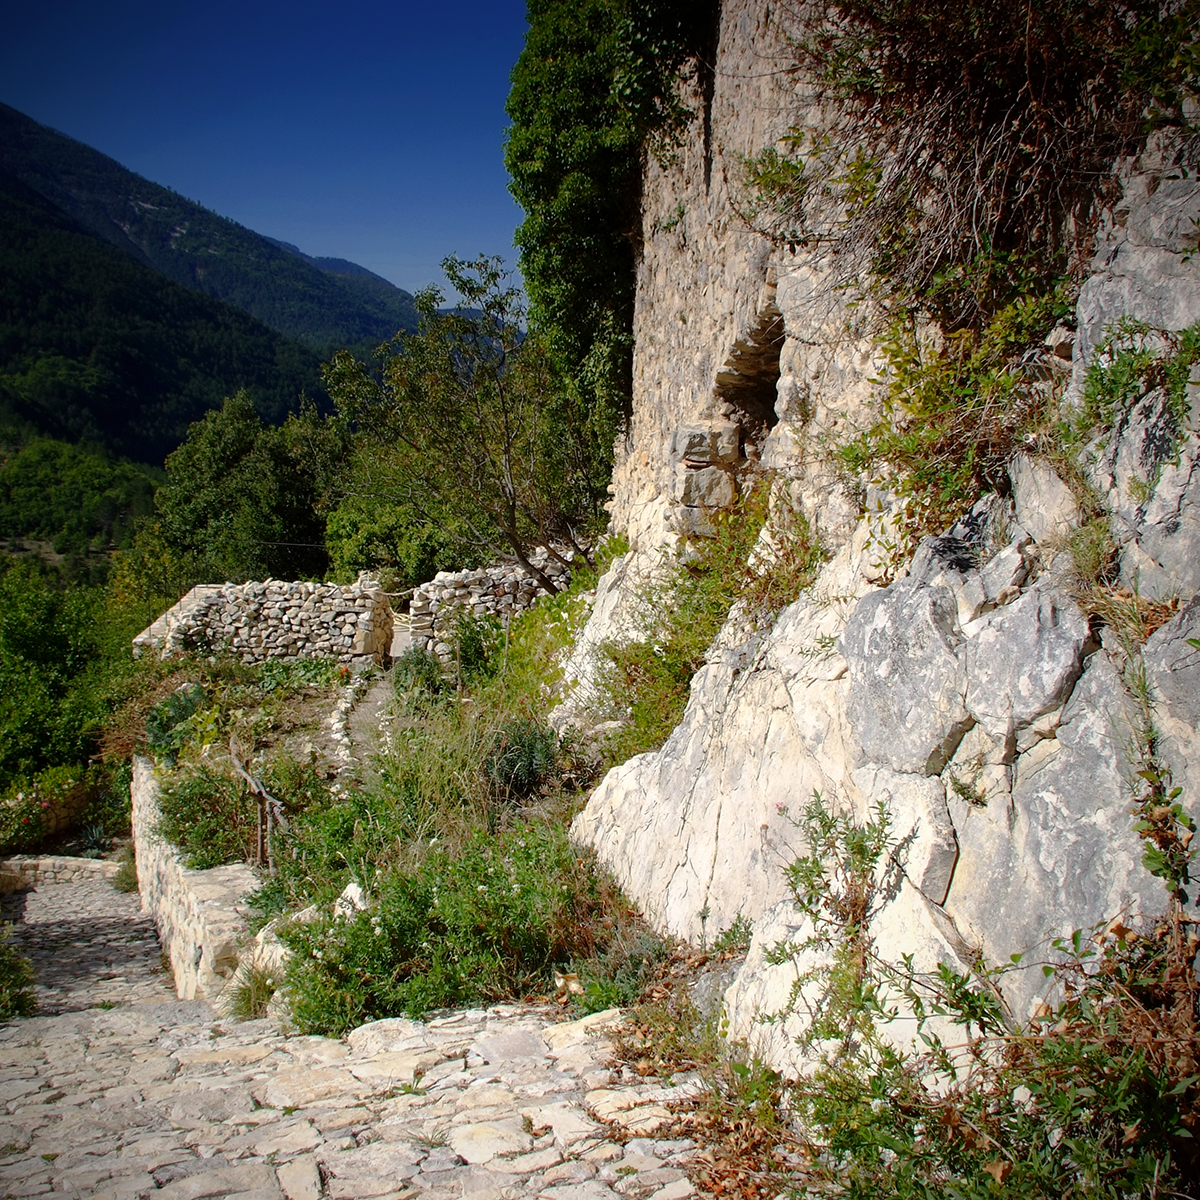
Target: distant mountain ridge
{"points": [[97, 347], [325, 303]]}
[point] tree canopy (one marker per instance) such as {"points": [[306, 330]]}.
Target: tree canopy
{"points": [[595, 85], [468, 424], [240, 498]]}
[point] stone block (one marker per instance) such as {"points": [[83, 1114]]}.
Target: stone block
{"points": [[708, 487], [1045, 506], [1023, 660]]}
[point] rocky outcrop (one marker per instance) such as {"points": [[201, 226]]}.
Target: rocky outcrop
{"points": [[970, 700]]}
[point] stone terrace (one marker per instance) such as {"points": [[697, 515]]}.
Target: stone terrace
{"points": [[118, 1090]]}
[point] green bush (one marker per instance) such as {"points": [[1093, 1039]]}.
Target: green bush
{"points": [[954, 410], [620, 971], [29, 807], [418, 674], [481, 923], [1097, 1098], [126, 880], [477, 643], [16, 982], [251, 995], [523, 756], [211, 818], [165, 732], [647, 679], [275, 675]]}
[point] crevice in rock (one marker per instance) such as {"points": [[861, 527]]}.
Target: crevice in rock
{"points": [[747, 380]]}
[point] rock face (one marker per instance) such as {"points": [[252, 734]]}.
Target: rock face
{"points": [[970, 700]]}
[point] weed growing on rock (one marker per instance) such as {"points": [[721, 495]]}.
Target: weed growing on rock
{"points": [[1097, 1097], [251, 994], [955, 407], [647, 679], [126, 880]]}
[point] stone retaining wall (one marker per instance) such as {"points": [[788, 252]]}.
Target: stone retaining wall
{"points": [[277, 620], [199, 915], [501, 592], [28, 870]]}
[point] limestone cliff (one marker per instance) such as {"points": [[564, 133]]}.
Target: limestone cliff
{"points": [[970, 696]]}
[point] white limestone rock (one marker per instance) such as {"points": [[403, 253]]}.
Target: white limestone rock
{"points": [[1023, 660], [1045, 506], [907, 678]]}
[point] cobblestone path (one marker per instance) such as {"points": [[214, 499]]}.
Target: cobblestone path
{"points": [[116, 1089]]}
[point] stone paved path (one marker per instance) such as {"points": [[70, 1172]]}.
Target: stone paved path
{"points": [[157, 1097]]}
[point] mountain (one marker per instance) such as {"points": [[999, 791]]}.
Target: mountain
{"points": [[97, 347], [325, 303]]}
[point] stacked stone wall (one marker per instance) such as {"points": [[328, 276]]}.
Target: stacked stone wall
{"points": [[278, 620], [23, 871], [501, 592], [198, 914]]}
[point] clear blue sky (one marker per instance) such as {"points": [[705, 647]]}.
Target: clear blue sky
{"points": [[362, 130]]}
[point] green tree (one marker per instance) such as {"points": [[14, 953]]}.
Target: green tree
{"points": [[468, 424], [595, 85], [365, 533], [240, 500], [49, 703], [76, 497]]}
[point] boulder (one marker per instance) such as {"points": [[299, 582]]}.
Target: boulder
{"points": [[1022, 660]]}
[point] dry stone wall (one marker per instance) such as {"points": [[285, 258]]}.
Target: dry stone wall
{"points": [[278, 620], [199, 914], [23, 871], [501, 591]]}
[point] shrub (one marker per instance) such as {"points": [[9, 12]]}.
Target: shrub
{"points": [[126, 880], [209, 817], [418, 674], [480, 924], [647, 679], [969, 135], [477, 642], [618, 974], [524, 754], [954, 408], [16, 981], [33, 808], [165, 732], [1098, 1098], [251, 995]]}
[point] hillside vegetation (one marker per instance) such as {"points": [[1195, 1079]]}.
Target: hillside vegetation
{"points": [[317, 301], [94, 346]]}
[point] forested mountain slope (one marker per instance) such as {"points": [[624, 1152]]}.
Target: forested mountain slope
{"points": [[95, 346], [326, 303]]}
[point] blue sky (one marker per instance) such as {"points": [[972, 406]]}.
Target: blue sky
{"points": [[360, 130]]}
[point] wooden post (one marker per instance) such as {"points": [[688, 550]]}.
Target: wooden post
{"points": [[262, 831]]}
